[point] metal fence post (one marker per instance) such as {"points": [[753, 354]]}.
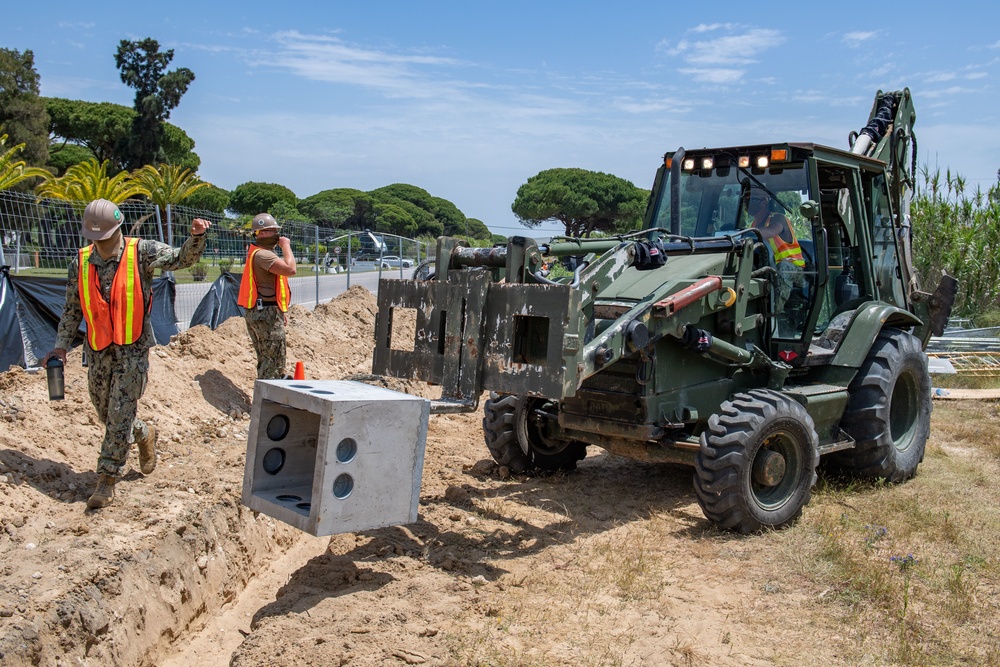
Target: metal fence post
{"points": [[350, 256], [316, 228]]}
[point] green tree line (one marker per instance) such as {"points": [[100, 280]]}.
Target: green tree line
{"points": [[958, 231]]}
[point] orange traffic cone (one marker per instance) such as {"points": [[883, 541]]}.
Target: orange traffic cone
{"points": [[300, 371]]}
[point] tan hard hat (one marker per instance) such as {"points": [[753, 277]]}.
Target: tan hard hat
{"points": [[263, 221], [100, 220]]}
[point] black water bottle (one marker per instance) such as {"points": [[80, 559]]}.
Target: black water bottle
{"points": [[54, 375]]}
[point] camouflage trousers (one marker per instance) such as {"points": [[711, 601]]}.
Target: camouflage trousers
{"points": [[116, 379], [267, 331]]}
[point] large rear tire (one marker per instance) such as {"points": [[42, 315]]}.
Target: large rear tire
{"points": [[514, 430], [889, 411], [757, 463]]}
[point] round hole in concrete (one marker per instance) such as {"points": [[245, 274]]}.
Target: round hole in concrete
{"points": [[287, 498], [304, 506], [343, 485], [277, 427], [347, 449], [321, 391], [274, 460], [301, 386]]}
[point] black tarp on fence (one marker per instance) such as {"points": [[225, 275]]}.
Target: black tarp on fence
{"points": [[162, 317], [219, 304], [30, 309]]}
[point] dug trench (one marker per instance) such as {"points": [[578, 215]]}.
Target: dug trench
{"points": [[611, 565]]}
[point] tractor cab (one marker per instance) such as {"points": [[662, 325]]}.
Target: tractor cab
{"points": [[807, 205]]}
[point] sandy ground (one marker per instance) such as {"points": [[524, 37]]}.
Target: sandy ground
{"points": [[612, 565]]}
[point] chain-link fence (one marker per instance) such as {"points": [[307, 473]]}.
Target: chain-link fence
{"points": [[40, 237]]}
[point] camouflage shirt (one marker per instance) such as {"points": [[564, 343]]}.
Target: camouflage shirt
{"points": [[152, 255]]}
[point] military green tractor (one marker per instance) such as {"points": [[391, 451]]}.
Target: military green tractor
{"points": [[766, 315]]}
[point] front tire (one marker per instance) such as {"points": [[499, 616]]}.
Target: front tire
{"points": [[515, 433], [757, 463], [889, 411]]}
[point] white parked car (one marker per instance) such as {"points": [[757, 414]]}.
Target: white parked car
{"points": [[392, 261]]}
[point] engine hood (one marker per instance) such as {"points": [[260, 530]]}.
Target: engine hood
{"points": [[634, 285]]}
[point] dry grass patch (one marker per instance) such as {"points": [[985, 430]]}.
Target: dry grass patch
{"points": [[614, 565], [910, 574]]}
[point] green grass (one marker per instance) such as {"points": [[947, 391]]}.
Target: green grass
{"points": [[966, 381]]}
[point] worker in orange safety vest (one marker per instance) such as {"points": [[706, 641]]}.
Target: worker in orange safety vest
{"points": [[264, 294], [110, 288]]}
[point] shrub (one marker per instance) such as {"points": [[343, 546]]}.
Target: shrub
{"points": [[198, 271]]}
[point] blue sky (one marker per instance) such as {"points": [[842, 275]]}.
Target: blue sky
{"points": [[468, 100]]}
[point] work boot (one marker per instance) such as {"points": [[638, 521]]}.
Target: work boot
{"points": [[147, 451], [104, 494]]}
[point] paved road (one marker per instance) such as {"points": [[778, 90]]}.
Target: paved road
{"points": [[304, 289]]}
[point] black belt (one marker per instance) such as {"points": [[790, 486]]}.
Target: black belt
{"points": [[269, 303]]}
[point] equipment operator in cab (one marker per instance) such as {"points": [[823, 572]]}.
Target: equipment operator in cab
{"points": [[776, 230]]}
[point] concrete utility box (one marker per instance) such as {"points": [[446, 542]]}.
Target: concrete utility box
{"points": [[332, 456]]}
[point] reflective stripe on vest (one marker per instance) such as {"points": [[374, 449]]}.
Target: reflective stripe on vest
{"points": [[787, 251], [120, 321], [248, 286]]}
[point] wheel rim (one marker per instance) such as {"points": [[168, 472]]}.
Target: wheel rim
{"points": [[531, 432], [774, 471], [904, 411]]}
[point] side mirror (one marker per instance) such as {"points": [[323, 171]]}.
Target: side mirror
{"points": [[809, 209]]}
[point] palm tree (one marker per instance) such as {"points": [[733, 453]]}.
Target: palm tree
{"points": [[167, 185], [13, 171], [89, 180]]}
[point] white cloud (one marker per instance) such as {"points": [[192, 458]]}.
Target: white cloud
{"points": [[632, 106], [940, 77], [709, 27], [882, 71], [855, 39], [714, 75], [948, 92], [739, 49], [821, 98], [328, 59]]}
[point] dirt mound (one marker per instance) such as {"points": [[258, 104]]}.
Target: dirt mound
{"points": [[612, 565], [178, 572], [115, 587]]}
